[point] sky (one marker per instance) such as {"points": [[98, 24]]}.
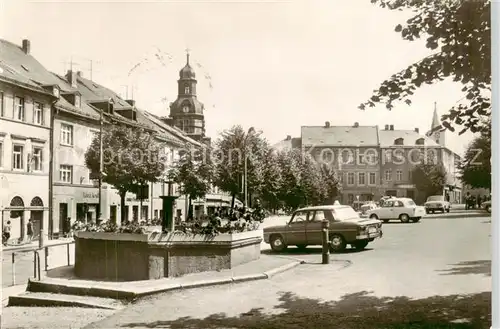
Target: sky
{"points": [[273, 65]]}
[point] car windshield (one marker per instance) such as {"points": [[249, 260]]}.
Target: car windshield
{"points": [[345, 213], [435, 198]]}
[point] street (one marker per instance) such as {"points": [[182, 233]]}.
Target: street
{"points": [[433, 274]]}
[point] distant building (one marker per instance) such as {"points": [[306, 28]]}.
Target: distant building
{"points": [[353, 151], [187, 112]]}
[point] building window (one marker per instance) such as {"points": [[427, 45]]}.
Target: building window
{"points": [[187, 89], [372, 178], [350, 198], [17, 157], [77, 101], [38, 113], [350, 178], [361, 159], [388, 175], [185, 109], [37, 159], [1, 104], [347, 157], [361, 178], [19, 109], [66, 174], [388, 156], [66, 134], [399, 175]]}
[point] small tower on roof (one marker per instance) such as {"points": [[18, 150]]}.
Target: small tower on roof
{"points": [[436, 135]]}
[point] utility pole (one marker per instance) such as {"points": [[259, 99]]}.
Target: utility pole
{"points": [[101, 167]]}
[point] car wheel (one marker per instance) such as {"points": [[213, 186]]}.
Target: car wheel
{"points": [[416, 219], [404, 218], [277, 243], [373, 216], [337, 243], [301, 246], [427, 211], [432, 211], [360, 245], [488, 209], [447, 209]]}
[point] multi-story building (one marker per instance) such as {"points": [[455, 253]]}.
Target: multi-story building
{"points": [[27, 95], [401, 151], [353, 151]]}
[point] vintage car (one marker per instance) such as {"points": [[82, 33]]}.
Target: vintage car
{"points": [[486, 205], [403, 209], [368, 205], [437, 203], [305, 229]]}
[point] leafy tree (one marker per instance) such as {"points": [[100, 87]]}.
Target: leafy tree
{"points": [[272, 180], [130, 159], [459, 34], [231, 149], [311, 181], [291, 193], [193, 172], [475, 168], [429, 179], [331, 182]]}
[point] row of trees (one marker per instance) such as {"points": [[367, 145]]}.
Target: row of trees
{"points": [[281, 179]]}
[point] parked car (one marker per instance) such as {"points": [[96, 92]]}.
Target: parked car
{"points": [[368, 205], [403, 209], [305, 229], [437, 203], [486, 205]]}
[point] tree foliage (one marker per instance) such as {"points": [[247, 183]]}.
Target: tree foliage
{"points": [[193, 172], [131, 158], [272, 180], [429, 179], [475, 168], [458, 32]]}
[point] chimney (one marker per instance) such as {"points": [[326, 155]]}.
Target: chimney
{"points": [[26, 46], [417, 131], [327, 124], [131, 102], [71, 78], [392, 127], [288, 138], [356, 124], [386, 127]]}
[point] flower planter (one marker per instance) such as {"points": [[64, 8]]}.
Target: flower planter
{"points": [[131, 257]]}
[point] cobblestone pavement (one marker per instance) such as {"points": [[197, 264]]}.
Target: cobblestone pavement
{"points": [[432, 274]]}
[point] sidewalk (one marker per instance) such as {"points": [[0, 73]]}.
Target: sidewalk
{"points": [[34, 245]]}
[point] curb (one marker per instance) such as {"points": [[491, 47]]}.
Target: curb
{"points": [[134, 295]]}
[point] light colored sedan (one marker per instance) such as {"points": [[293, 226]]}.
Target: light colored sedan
{"points": [[403, 209], [437, 203], [486, 205]]}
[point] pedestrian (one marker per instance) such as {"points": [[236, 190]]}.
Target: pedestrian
{"points": [[479, 200], [6, 233], [29, 229]]}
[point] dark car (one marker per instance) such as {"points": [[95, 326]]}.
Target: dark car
{"points": [[305, 229]]}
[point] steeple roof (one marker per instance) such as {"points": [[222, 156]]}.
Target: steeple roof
{"points": [[435, 118], [187, 71]]}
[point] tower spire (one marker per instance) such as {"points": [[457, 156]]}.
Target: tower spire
{"points": [[435, 118], [187, 56]]}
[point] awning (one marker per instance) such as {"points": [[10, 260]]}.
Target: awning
{"points": [[407, 186]]}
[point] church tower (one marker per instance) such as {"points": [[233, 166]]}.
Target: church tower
{"points": [[186, 112], [438, 136]]}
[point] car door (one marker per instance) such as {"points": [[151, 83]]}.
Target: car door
{"points": [[296, 228], [314, 227], [384, 212], [398, 209]]}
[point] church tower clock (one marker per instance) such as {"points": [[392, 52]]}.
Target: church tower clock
{"points": [[186, 112]]}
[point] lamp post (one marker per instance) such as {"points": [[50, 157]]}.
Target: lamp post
{"points": [[250, 132], [101, 160]]}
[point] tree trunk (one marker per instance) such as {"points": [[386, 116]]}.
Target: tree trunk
{"points": [[190, 209], [122, 207]]}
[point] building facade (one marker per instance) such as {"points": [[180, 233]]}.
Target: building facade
{"points": [[352, 151], [25, 115]]}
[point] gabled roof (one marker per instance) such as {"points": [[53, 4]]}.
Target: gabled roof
{"points": [[339, 136], [18, 65], [179, 134], [410, 137]]}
